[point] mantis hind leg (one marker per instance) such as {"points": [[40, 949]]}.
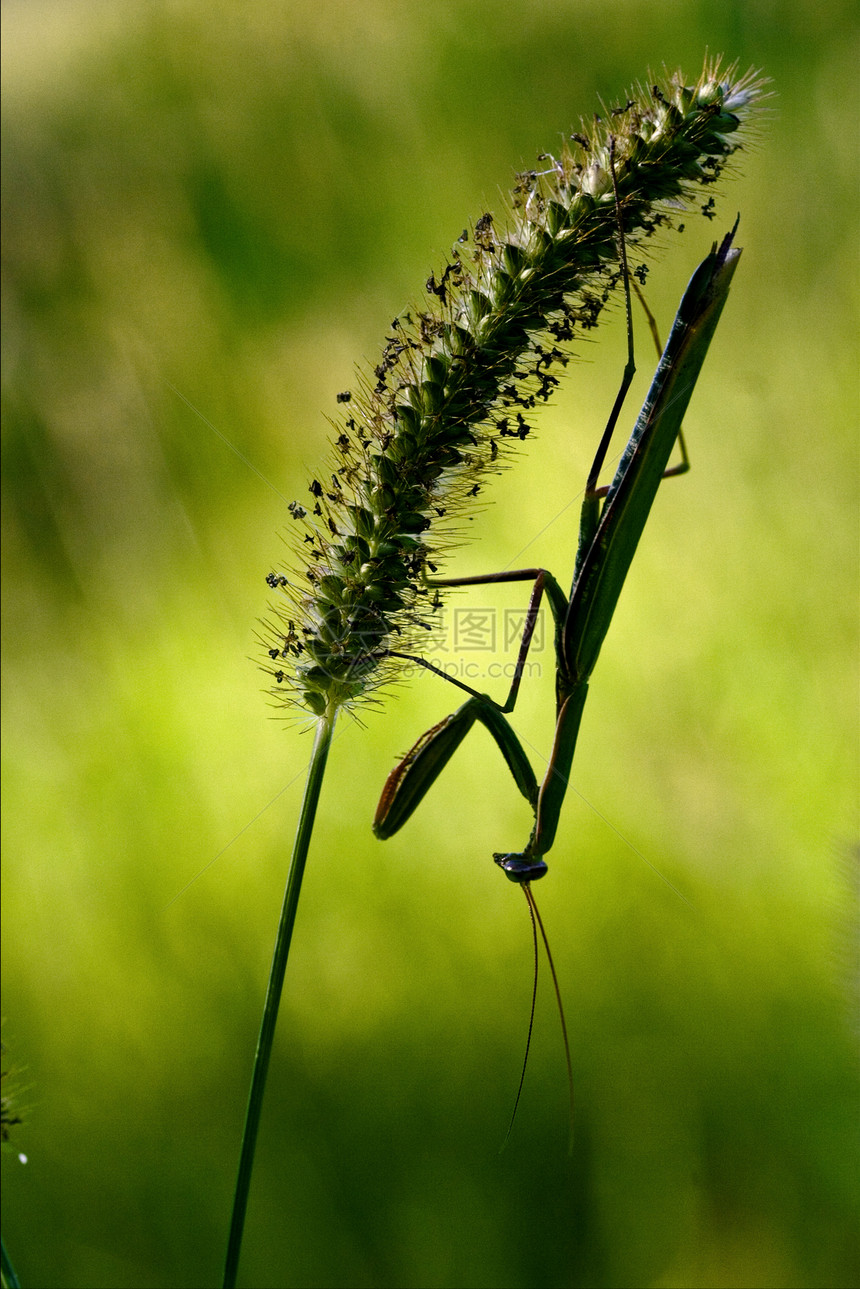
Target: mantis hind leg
{"points": [[595, 493], [684, 464]]}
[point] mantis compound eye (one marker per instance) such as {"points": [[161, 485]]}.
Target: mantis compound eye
{"points": [[521, 868]]}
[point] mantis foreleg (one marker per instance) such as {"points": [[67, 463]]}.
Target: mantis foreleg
{"points": [[415, 774]]}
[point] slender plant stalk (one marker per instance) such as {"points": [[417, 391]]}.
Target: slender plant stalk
{"points": [[316, 771], [9, 1280]]}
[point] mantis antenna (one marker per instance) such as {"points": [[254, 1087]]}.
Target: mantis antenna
{"points": [[537, 921]]}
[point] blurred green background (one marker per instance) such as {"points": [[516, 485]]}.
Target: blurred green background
{"points": [[224, 205]]}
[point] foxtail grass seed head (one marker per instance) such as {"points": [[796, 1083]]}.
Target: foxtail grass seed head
{"points": [[460, 377]]}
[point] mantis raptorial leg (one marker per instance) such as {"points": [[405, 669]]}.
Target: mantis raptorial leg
{"points": [[612, 522]]}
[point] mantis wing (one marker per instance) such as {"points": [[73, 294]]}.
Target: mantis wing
{"points": [[631, 494]]}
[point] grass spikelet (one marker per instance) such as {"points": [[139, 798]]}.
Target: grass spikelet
{"points": [[460, 377]]}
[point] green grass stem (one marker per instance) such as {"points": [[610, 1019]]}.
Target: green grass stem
{"points": [[9, 1279], [301, 845]]}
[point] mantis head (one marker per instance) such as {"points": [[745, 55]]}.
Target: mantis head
{"points": [[521, 867]]}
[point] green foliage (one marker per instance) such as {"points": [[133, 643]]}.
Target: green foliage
{"points": [[234, 201]]}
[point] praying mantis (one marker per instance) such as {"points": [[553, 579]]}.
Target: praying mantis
{"points": [[612, 521], [608, 536]]}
